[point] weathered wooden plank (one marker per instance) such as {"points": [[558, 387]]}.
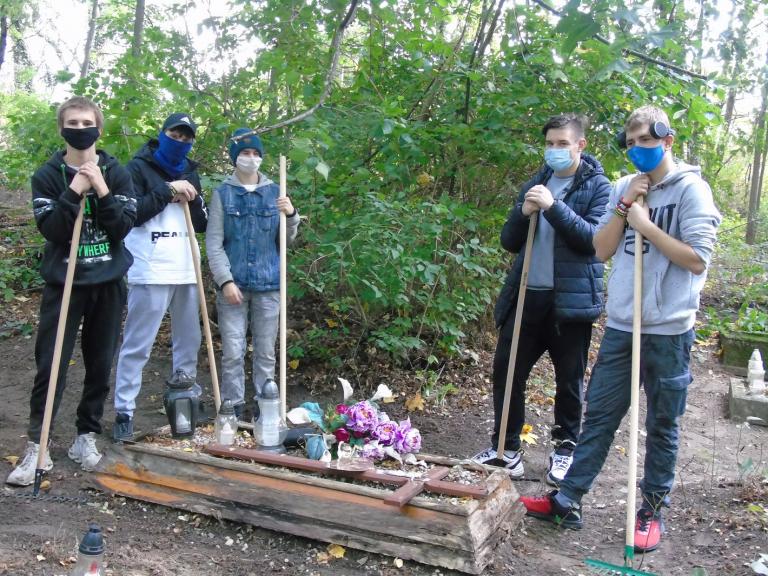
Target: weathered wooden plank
{"points": [[291, 499], [373, 541]]}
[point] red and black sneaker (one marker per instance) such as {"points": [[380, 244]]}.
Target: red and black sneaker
{"points": [[547, 508], [649, 528]]}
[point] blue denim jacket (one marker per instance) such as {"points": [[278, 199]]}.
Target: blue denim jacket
{"points": [[242, 237]]}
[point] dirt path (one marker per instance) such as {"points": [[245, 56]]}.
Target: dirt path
{"points": [[709, 525]]}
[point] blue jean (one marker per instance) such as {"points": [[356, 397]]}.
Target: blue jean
{"points": [[665, 375], [263, 311]]}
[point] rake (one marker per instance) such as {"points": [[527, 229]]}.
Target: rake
{"points": [[605, 568]]}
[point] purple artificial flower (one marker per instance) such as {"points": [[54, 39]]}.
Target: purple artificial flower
{"points": [[373, 450], [362, 417], [408, 438], [386, 432]]}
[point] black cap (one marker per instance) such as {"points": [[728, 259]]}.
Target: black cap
{"points": [[179, 119], [93, 542]]}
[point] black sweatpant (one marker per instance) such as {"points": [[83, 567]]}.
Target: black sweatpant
{"points": [[100, 307], [568, 346]]}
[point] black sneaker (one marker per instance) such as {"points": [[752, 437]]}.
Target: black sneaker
{"points": [[122, 429]]}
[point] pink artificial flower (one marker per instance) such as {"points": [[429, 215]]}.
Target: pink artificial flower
{"points": [[342, 408], [373, 450], [408, 438]]}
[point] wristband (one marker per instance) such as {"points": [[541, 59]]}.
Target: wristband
{"points": [[225, 283]]}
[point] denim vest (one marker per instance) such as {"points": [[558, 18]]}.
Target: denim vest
{"points": [[251, 224]]}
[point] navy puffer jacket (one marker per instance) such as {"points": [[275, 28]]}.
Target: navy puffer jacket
{"points": [[578, 274]]}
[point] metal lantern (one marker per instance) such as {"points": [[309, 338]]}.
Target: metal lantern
{"points": [[182, 405], [269, 429]]}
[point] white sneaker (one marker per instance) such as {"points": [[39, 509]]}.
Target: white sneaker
{"points": [[558, 466], [84, 451], [513, 460], [24, 473]]}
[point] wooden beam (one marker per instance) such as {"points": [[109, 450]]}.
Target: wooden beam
{"points": [[407, 491]]}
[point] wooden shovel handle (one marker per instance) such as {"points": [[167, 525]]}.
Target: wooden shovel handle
{"points": [[203, 305], [516, 333]]}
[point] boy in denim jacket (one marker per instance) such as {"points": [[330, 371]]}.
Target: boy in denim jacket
{"points": [[242, 245], [678, 222]]}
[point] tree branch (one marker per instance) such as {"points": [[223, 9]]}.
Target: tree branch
{"points": [[335, 53], [629, 51]]}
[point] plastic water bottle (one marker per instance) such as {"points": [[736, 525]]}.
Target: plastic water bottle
{"points": [[90, 554]]}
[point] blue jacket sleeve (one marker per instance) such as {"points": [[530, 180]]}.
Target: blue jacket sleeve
{"points": [[577, 231]]}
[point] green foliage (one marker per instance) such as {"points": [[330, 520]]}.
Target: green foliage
{"points": [[20, 245], [407, 172]]}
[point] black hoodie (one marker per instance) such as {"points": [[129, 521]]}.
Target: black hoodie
{"points": [[101, 256]]}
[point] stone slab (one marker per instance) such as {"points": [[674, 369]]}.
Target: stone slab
{"points": [[743, 404]]}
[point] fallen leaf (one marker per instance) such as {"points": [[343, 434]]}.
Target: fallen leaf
{"points": [[621, 449], [415, 402], [331, 323], [323, 557], [397, 562], [293, 364], [72, 362], [45, 485], [528, 436], [11, 459], [21, 298], [40, 558], [336, 551]]}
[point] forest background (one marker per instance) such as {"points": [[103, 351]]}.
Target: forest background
{"points": [[408, 127]]}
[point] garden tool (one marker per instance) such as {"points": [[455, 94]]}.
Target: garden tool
{"points": [[598, 566], [203, 306], [282, 242], [58, 344], [499, 460]]}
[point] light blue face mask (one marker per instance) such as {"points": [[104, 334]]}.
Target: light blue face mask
{"points": [[558, 159]]}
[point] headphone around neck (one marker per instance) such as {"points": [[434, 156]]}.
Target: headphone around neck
{"points": [[658, 130]]}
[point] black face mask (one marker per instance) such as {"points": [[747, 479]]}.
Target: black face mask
{"points": [[80, 138]]}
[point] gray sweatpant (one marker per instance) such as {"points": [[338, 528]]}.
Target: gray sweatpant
{"points": [[147, 305], [264, 311]]}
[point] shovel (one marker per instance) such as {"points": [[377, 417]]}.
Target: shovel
{"points": [[203, 306], [499, 460], [58, 344]]}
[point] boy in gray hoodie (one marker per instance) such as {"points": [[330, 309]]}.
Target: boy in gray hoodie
{"points": [[678, 222], [242, 245]]}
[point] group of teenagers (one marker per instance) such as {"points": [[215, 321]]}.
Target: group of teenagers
{"points": [[134, 227]]}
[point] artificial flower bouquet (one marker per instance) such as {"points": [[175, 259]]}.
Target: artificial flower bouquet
{"points": [[361, 425]]}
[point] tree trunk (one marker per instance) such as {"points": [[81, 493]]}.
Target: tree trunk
{"points": [[3, 38], [138, 28], [757, 165], [89, 39]]}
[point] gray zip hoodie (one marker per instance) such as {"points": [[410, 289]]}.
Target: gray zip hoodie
{"points": [[681, 205]]}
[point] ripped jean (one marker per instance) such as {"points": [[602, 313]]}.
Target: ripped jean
{"points": [[665, 375]]}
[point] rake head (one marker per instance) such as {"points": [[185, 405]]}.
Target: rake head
{"points": [[601, 568]]}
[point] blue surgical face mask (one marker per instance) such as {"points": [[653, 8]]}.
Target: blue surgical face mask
{"points": [[646, 159], [558, 159]]}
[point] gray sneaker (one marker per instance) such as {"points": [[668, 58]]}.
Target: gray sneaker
{"points": [[84, 451], [24, 473], [122, 429], [181, 377]]}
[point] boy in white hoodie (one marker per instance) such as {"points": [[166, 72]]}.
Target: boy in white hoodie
{"points": [[678, 222], [162, 277]]}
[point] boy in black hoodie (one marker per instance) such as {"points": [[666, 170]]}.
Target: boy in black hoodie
{"points": [[98, 291]]}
